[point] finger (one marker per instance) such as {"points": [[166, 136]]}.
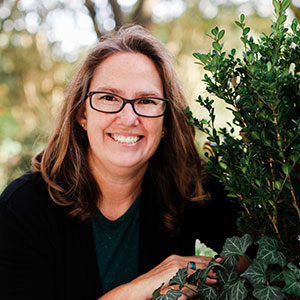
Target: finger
{"points": [[210, 281]]}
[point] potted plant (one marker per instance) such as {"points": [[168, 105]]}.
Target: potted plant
{"points": [[257, 158]]}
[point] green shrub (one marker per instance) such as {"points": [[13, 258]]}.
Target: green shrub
{"points": [[257, 155], [257, 158]]}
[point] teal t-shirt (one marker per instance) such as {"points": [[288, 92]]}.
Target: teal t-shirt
{"points": [[116, 244]]}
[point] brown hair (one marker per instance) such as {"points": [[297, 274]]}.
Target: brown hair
{"points": [[175, 166]]}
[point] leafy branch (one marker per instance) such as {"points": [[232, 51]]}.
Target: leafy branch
{"points": [[257, 155]]}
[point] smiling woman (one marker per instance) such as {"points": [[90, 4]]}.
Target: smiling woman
{"points": [[120, 171]]}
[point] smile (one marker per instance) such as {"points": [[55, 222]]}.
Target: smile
{"points": [[125, 139]]}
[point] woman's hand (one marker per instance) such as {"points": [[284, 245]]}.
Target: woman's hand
{"points": [[143, 286]]}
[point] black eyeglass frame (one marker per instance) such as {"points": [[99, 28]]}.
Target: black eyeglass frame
{"points": [[125, 101]]}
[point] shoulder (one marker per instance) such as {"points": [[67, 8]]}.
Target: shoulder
{"points": [[26, 199], [27, 188], [27, 183]]}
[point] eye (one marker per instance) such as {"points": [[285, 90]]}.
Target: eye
{"points": [[147, 101], [108, 97]]}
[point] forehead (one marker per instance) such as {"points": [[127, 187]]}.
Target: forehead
{"points": [[127, 70]]}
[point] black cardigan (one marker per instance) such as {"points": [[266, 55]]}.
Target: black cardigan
{"points": [[44, 254]]}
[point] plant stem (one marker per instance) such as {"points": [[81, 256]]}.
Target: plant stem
{"points": [[294, 202], [273, 219]]}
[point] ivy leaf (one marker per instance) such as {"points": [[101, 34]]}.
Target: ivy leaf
{"points": [[292, 286], [256, 272], [206, 291], [236, 290], [227, 275], [295, 270], [231, 261], [170, 295], [224, 295], [156, 292], [276, 276], [267, 292], [201, 274], [267, 251], [180, 277], [196, 276], [236, 246]]}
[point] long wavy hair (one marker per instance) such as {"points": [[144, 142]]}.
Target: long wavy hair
{"points": [[174, 167]]}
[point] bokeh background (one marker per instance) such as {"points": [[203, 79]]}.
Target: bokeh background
{"points": [[42, 43]]}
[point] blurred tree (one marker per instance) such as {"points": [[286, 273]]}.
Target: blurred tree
{"points": [[31, 86], [40, 41]]}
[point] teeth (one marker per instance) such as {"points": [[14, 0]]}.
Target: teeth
{"points": [[125, 139]]}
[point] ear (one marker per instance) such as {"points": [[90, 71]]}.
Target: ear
{"points": [[164, 132], [81, 117]]}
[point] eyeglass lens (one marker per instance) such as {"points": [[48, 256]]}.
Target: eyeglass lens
{"points": [[147, 106]]}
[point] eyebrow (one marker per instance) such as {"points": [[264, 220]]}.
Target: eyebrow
{"points": [[137, 95]]}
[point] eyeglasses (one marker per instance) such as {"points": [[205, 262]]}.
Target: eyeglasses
{"points": [[106, 102]]}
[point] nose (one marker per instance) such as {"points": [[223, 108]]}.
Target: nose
{"points": [[127, 116]]}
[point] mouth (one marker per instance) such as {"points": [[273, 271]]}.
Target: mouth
{"points": [[132, 139]]}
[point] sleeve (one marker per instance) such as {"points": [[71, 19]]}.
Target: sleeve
{"points": [[25, 252]]}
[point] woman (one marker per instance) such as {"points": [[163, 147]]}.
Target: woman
{"points": [[113, 195]]}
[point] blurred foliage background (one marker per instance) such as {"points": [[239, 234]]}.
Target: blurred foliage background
{"points": [[43, 41]]}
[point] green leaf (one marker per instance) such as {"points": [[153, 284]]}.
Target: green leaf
{"points": [[215, 30], [156, 292], [242, 18], [180, 277], [246, 30], [238, 23], [294, 25], [201, 274], [276, 276], [255, 135], [236, 290], [221, 34], [236, 246], [228, 274], [266, 292], [170, 295], [277, 185], [295, 270], [281, 19], [217, 46], [223, 165], [285, 4], [267, 251], [257, 182], [256, 272], [207, 291], [196, 276], [276, 5], [269, 66], [292, 286], [202, 57], [286, 168]]}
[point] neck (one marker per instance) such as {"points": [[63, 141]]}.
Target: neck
{"points": [[118, 189]]}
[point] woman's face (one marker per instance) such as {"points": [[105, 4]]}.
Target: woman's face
{"points": [[122, 141]]}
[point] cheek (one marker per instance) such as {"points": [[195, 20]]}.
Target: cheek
{"points": [[155, 130]]}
